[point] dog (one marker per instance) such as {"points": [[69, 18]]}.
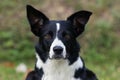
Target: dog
{"points": [[57, 50]]}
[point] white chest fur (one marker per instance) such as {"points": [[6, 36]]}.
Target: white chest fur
{"points": [[59, 69]]}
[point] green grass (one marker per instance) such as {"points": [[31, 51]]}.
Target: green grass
{"points": [[105, 64], [10, 73], [8, 70]]}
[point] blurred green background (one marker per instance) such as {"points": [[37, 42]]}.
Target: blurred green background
{"points": [[100, 43]]}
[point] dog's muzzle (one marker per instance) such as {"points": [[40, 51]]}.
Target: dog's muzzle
{"points": [[58, 50], [58, 53]]}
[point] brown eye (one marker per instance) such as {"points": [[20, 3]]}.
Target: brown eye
{"points": [[47, 36], [67, 37]]}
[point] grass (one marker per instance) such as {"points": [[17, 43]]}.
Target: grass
{"points": [[103, 65], [8, 73], [8, 70], [100, 44]]}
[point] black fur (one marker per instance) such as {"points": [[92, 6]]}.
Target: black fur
{"points": [[35, 75], [43, 28]]}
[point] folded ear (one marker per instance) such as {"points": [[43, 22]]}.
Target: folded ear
{"points": [[79, 20], [36, 19]]}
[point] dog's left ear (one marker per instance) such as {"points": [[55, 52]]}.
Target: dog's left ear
{"points": [[79, 20]]}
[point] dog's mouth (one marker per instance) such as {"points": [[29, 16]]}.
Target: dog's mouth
{"points": [[58, 57]]}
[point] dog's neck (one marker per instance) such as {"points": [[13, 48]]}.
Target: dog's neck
{"points": [[54, 69]]}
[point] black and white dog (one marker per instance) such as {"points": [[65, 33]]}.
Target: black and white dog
{"points": [[57, 51]]}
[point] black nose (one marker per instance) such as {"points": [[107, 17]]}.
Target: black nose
{"points": [[58, 50]]}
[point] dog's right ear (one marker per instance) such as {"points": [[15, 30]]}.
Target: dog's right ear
{"points": [[36, 19], [79, 20]]}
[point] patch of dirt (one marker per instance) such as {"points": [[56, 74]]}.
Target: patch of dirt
{"points": [[56, 10]]}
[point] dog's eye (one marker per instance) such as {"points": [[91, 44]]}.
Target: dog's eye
{"points": [[67, 37], [47, 36]]}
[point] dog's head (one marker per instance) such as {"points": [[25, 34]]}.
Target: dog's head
{"points": [[58, 38]]}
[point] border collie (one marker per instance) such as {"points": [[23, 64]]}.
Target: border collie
{"points": [[57, 50]]}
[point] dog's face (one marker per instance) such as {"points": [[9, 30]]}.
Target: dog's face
{"points": [[57, 38]]}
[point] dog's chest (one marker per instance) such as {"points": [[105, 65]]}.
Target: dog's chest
{"points": [[58, 71]]}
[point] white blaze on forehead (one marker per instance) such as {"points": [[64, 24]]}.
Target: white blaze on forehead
{"points": [[58, 26], [57, 42]]}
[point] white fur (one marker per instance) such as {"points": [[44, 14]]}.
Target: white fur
{"points": [[57, 42], [39, 62], [58, 69], [58, 26]]}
